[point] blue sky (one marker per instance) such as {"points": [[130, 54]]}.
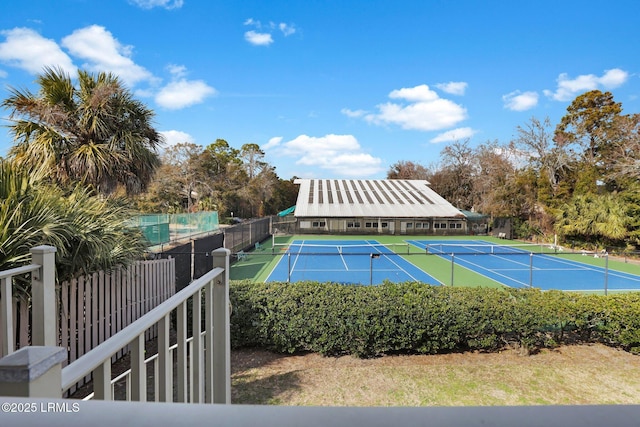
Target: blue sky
{"points": [[334, 89]]}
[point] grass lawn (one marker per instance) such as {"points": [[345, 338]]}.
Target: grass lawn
{"points": [[570, 375]]}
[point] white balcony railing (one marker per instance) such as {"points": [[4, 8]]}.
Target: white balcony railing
{"points": [[201, 364]]}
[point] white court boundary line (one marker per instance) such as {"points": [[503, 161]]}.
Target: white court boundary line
{"points": [[578, 266], [371, 243]]}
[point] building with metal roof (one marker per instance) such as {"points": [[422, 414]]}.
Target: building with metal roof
{"points": [[384, 206]]}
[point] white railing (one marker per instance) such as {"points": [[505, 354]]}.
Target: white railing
{"points": [[43, 297], [203, 361]]}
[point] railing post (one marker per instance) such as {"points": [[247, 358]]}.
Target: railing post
{"points": [[43, 297], [33, 371], [7, 343], [221, 330]]}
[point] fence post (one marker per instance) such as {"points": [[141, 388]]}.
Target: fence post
{"points": [[33, 371], [43, 297], [221, 330]]}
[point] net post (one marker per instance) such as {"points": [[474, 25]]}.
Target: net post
{"points": [[370, 269], [606, 272], [531, 269], [288, 267], [452, 266]]}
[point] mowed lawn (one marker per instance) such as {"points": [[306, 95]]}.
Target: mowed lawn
{"points": [[570, 375]]}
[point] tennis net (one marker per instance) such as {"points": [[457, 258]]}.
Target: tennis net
{"points": [[341, 249], [491, 249]]}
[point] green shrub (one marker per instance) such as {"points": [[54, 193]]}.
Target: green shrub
{"points": [[413, 318]]}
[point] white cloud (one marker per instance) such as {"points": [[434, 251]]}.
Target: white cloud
{"points": [[173, 137], [183, 93], [420, 93], [286, 29], [339, 154], [454, 135], [258, 39], [3, 74], [353, 113], [26, 49], [263, 34], [177, 70], [520, 101], [454, 88], [569, 88], [426, 111], [614, 78], [105, 53], [273, 142], [150, 4]]}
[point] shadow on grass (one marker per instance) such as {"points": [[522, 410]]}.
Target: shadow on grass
{"points": [[270, 390]]}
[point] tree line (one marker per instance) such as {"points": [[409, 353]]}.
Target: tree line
{"points": [[86, 157], [577, 179], [237, 183]]}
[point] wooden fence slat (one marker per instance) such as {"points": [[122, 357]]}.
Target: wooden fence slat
{"points": [[25, 339], [95, 313], [16, 337], [115, 274], [101, 308], [80, 316], [73, 337], [87, 324], [64, 320]]}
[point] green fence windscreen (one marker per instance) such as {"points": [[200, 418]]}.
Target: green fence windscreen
{"points": [[164, 228]]}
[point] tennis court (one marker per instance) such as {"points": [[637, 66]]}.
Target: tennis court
{"points": [[362, 262], [538, 266]]}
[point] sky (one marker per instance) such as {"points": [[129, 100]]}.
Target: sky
{"points": [[338, 88]]}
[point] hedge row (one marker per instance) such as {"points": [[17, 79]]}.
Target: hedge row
{"points": [[366, 321]]}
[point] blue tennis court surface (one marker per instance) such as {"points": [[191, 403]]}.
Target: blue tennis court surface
{"points": [[344, 261], [519, 267]]}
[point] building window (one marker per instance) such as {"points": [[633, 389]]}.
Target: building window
{"points": [[317, 224], [410, 225], [384, 224], [353, 224], [439, 225]]}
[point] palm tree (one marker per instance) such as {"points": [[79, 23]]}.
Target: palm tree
{"points": [[88, 231], [95, 134], [594, 218]]}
